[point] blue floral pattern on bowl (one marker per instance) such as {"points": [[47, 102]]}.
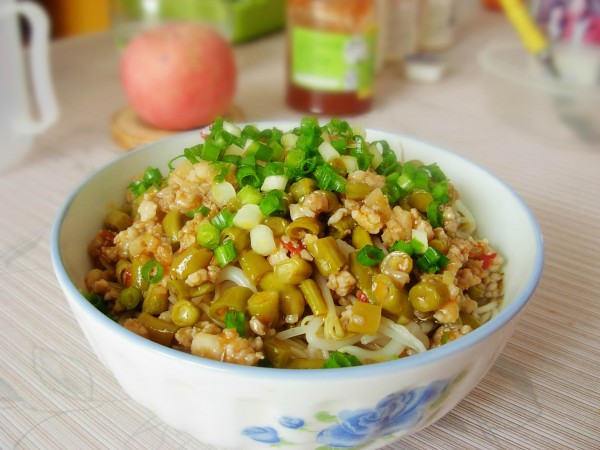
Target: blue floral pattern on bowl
{"points": [[393, 414]]}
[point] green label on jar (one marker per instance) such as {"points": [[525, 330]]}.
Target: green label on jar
{"points": [[333, 62]]}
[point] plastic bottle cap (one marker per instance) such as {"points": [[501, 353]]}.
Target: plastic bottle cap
{"points": [[424, 67]]}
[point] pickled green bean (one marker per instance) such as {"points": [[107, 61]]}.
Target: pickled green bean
{"points": [[327, 255]]}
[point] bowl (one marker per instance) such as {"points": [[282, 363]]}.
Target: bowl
{"points": [[234, 406], [521, 93]]}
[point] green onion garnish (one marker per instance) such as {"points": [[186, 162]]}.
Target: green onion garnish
{"points": [[237, 320], [152, 176], [210, 152], [273, 203], [204, 210], [249, 194], [340, 359], [433, 214], [435, 172], [222, 220], [137, 187], [370, 255], [295, 158], [225, 253], [152, 271], [432, 261], [97, 302], [328, 179], [401, 246], [246, 175], [208, 235]]}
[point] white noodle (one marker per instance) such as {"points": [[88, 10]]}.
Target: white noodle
{"points": [[345, 248], [318, 341], [393, 330], [418, 332], [333, 326], [236, 275], [291, 332], [392, 349], [466, 223], [491, 306]]}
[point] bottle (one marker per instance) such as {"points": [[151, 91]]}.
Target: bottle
{"points": [[331, 55], [437, 25]]}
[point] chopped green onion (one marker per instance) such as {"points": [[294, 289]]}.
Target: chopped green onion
{"points": [[433, 214], [208, 235], [223, 171], [192, 154], [421, 180], [327, 151], [435, 172], [295, 158], [222, 220], [405, 182], [248, 217], [362, 153], [232, 159], [432, 261], [204, 210], [152, 176], [210, 152], [274, 182], [260, 151], [225, 253], [274, 168], [236, 319], [370, 255], [248, 160], [97, 302], [419, 241], [152, 271], [249, 194], [273, 203], [340, 359], [440, 192], [328, 179], [246, 175], [401, 246], [393, 192], [250, 131], [137, 187]]}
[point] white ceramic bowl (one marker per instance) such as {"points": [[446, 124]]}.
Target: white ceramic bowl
{"points": [[234, 406]]}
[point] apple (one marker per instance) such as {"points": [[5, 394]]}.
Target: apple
{"points": [[179, 76]]}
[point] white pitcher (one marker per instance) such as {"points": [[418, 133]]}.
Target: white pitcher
{"points": [[19, 121]]}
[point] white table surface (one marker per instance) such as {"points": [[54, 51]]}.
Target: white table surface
{"points": [[542, 393]]}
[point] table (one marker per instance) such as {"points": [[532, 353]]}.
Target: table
{"points": [[544, 390]]}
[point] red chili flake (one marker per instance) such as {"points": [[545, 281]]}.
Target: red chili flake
{"points": [[127, 277], [294, 247], [362, 297], [487, 259]]}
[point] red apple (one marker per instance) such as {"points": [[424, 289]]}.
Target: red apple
{"points": [[179, 76]]}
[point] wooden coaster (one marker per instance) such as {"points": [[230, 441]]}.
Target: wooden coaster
{"points": [[129, 131]]}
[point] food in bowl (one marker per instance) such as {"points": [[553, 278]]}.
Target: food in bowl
{"points": [[302, 248]]}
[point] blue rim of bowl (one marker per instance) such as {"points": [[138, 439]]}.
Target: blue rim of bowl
{"points": [[506, 314]]}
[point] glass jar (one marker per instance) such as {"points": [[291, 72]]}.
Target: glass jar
{"points": [[331, 55]]}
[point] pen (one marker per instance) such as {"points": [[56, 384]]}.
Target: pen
{"points": [[532, 37]]}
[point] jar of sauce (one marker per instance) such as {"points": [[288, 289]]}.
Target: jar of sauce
{"points": [[331, 55]]}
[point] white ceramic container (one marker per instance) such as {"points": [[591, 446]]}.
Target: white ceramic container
{"points": [[233, 406]]}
